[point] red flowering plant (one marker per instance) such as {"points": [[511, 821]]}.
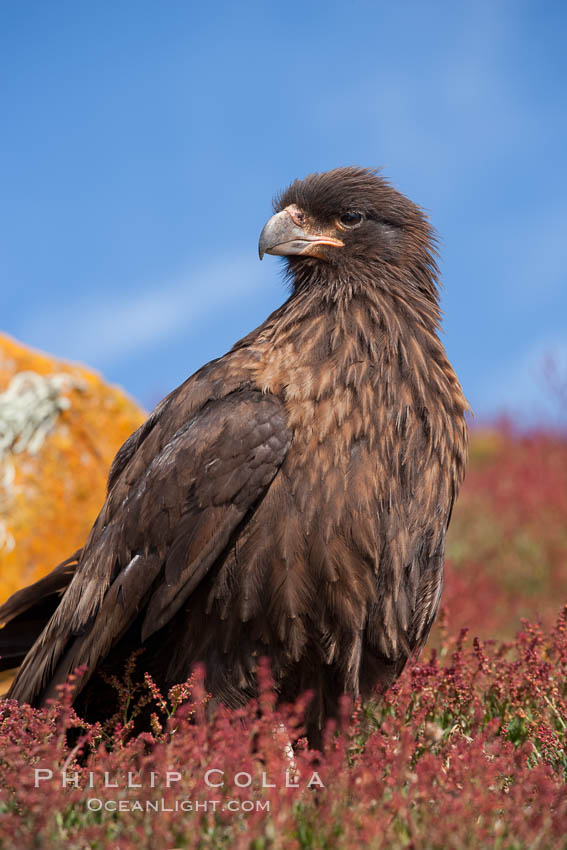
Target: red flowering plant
{"points": [[467, 750]]}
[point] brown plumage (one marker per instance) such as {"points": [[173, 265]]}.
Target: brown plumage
{"points": [[291, 498]]}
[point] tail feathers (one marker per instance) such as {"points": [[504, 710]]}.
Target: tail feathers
{"points": [[26, 613]]}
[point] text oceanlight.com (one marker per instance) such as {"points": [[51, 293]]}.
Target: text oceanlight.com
{"points": [[95, 804]]}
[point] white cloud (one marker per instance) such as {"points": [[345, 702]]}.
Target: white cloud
{"points": [[102, 330]]}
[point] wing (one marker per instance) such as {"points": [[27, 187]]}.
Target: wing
{"points": [[158, 535], [27, 611]]}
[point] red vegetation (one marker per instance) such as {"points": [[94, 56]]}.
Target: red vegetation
{"points": [[507, 544], [468, 750]]}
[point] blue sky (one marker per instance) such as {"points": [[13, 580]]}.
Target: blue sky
{"points": [[142, 143]]}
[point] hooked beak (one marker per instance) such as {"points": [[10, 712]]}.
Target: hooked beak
{"points": [[283, 237]]}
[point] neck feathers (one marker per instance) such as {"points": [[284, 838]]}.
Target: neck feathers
{"points": [[357, 354]]}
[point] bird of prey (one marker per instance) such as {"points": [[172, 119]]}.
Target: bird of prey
{"points": [[291, 498]]}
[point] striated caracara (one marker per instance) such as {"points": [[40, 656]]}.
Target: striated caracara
{"points": [[291, 498]]}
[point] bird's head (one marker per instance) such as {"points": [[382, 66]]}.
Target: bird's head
{"points": [[349, 222]]}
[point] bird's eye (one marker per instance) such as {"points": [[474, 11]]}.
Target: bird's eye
{"points": [[351, 219]]}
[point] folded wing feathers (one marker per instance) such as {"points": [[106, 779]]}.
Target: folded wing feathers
{"points": [[186, 502]]}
